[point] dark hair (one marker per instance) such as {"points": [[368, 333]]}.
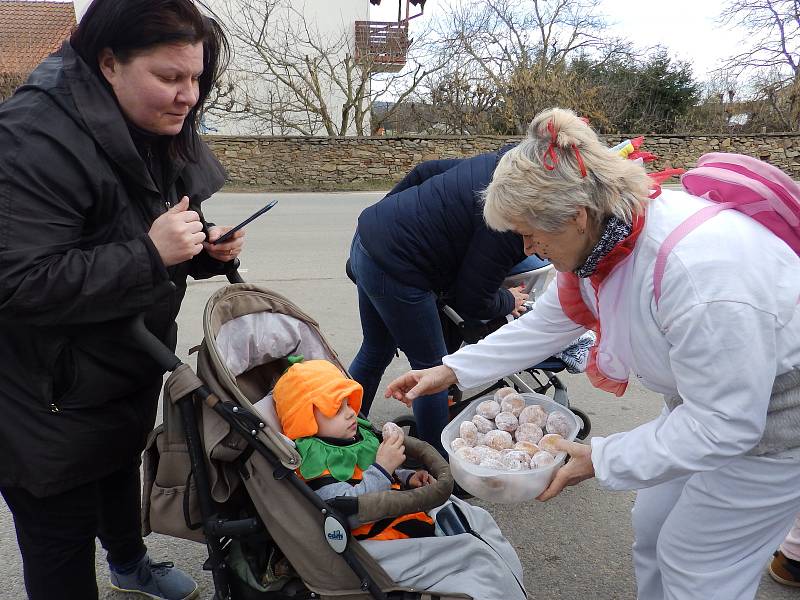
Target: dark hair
{"points": [[130, 27]]}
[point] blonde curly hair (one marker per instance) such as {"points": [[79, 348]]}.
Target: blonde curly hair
{"points": [[543, 187]]}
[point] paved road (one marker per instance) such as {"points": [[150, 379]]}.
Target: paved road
{"points": [[576, 546]]}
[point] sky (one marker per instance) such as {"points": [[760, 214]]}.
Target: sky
{"points": [[688, 28]]}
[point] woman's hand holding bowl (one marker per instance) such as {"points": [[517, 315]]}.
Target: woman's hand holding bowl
{"points": [[578, 468]]}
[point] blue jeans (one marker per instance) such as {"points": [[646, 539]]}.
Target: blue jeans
{"points": [[395, 315]]}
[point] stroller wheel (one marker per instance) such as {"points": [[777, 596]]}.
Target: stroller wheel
{"points": [[586, 423]]}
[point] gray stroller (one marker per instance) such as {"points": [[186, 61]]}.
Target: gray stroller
{"points": [[219, 471]]}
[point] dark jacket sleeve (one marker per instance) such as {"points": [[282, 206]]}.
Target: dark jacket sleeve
{"points": [[489, 255], [424, 170], [203, 265], [206, 177], [48, 275], [478, 293]]}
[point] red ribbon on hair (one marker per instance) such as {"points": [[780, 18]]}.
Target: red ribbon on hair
{"points": [[550, 158]]}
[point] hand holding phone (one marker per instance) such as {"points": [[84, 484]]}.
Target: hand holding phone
{"points": [[229, 234]]}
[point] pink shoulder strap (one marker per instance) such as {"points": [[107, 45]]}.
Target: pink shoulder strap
{"points": [[751, 186], [680, 232]]}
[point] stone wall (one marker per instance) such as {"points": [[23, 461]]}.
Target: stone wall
{"points": [[301, 163]]}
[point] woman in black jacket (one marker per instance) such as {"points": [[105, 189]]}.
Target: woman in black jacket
{"points": [[102, 174], [424, 240]]}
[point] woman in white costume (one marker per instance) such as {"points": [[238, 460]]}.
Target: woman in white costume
{"points": [[718, 470]]}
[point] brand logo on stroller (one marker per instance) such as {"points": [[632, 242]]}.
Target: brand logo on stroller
{"points": [[335, 534]]}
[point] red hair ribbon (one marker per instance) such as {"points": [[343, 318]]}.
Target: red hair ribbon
{"points": [[550, 158]]}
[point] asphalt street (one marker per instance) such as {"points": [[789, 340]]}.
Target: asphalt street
{"points": [[576, 546]]}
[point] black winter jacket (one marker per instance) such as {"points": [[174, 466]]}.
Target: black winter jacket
{"points": [[77, 398], [429, 232]]}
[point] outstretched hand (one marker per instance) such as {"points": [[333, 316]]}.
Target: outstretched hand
{"points": [[414, 384], [578, 468]]}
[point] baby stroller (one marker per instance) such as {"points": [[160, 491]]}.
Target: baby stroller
{"points": [[533, 274], [219, 471]]}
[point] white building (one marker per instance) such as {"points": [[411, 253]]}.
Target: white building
{"points": [[270, 76]]}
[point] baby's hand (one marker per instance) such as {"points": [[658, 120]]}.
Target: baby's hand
{"points": [[391, 453], [421, 478]]}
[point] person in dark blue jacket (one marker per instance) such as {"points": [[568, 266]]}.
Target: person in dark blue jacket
{"points": [[424, 240]]}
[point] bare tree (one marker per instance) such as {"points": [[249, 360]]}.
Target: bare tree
{"points": [[290, 76], [771, 53], [524, 49], [458, 101]]}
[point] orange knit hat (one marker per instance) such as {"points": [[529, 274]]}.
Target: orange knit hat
{"points": [[308, 384]]}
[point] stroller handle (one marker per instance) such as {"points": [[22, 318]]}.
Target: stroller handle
{"points": [[381, 505], [161, 354]]}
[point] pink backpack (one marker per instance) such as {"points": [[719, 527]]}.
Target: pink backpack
{"points": [[742, 183]]}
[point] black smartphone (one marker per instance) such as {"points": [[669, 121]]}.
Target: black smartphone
{"points": [[228, 234]]}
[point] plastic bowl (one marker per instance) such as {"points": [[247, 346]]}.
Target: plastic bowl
{"points": [[504, 487]]}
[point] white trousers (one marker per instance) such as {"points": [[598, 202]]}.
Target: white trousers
{"points": [[791, 545], [708, 536]]}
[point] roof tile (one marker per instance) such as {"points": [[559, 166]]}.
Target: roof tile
{"points": [[30, 30]]}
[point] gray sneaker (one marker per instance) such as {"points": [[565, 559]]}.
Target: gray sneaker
{"points": [[159, 581]]}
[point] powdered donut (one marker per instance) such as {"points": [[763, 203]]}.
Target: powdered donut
{"points": [[533, 414], [458, 443], [487, 452], [515, 455], [481, 439], [513, 403], [542, 459], [469, 432], [528, 447], [493, 463], [488, 409], [502, 393], [528, 432], [547, 443], [512, 464], [390, 429], [469, 455], [483, 424], [506, 421], [558, 422], [498, 439]]}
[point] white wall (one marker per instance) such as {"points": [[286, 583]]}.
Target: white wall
{"points": [[331, 18], [80, 8]]}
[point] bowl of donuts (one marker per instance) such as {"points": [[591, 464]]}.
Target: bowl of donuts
{"points": [[501, 446]]}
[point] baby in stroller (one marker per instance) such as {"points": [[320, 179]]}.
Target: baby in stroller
{"points": [[317, 406], [220, 470], [341, 456]]}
